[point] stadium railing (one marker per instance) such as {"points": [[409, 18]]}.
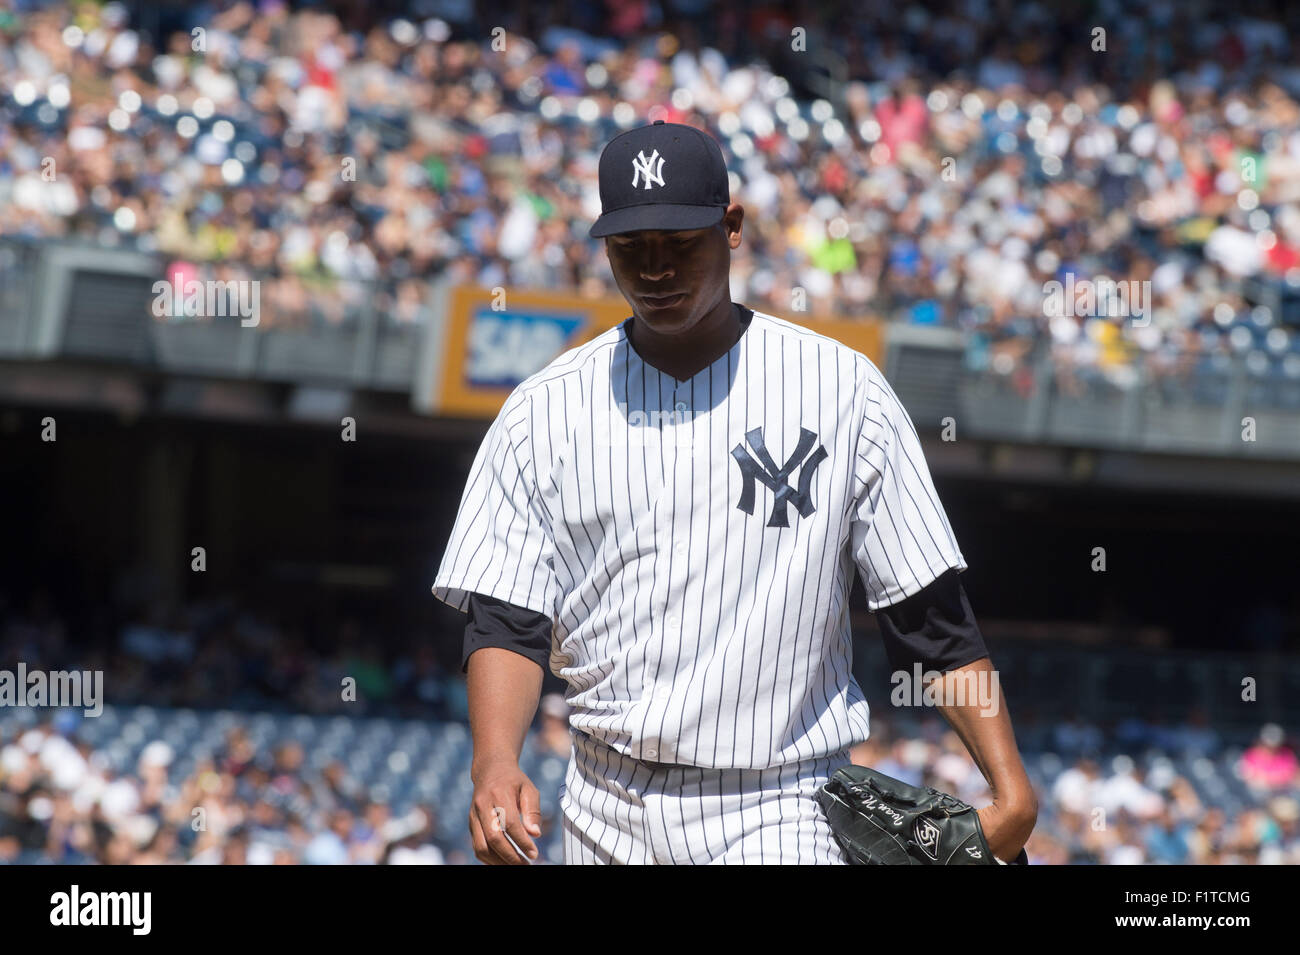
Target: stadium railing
{"points": [[69, 300], [78, 301], [1202, 410]]}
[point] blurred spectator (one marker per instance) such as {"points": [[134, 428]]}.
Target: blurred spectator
{"points": [[1269, 764], [1075, 737], [554, 735], [1166, 840]]}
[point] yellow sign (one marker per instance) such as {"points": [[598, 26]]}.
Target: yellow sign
{"points": [[492, 342]]}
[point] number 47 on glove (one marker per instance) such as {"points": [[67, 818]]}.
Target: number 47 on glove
{"points": [[879, 820]]}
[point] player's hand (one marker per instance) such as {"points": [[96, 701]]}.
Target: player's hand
{"points": [[505, 806], [1006, 829]]}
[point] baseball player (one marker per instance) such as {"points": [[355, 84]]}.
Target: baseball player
{"points": [[669, 518]]}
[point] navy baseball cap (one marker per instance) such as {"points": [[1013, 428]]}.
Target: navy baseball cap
{"points": [[661, 176]]}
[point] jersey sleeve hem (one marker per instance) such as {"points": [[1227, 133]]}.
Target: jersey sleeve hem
{"points": [[915, 585], [455, 591]]}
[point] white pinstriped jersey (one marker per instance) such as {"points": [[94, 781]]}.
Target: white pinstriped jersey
{"points": [[695, 541]]}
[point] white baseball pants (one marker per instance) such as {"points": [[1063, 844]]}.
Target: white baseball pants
{"points": [[621, 811]]}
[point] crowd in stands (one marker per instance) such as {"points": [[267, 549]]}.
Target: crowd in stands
{"points": [[968, 154], [64, 800], [1100, 805], [223, 650], [972, 153], [219, 708]]}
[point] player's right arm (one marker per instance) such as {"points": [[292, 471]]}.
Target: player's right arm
{"points": [[504, 690], [497, 567]]}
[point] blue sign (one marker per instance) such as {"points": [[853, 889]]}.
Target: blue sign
{"points": [[506, 347]]}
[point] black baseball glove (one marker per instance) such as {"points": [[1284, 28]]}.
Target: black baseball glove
{"points": [[879, 820]]}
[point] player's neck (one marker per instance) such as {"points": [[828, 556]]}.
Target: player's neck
{"points": [[686, 355]]}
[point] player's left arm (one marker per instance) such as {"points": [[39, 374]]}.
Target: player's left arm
{"points": [[985, 727], [936, 628], [910, 563]]}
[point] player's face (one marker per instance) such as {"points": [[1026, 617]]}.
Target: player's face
{"points": [[673, 279]]}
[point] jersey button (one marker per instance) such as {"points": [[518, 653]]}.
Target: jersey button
{"points": [[651, 753], [682, 407]]}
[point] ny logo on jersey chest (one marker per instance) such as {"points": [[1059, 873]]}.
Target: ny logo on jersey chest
{"points": [[764, 469]]}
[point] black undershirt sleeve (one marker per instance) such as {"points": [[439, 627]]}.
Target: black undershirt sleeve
{"points": [[934, 627], [495, 623]]}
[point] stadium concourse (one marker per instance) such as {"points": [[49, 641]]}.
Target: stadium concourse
{"points": [[1172, 157]]}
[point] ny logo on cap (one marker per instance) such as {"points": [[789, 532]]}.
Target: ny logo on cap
{"points": [[651, 168], [765, 470]]}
